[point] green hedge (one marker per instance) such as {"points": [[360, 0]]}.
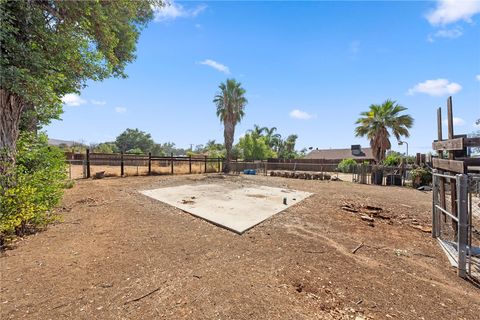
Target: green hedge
{"points": [[30, 190]]}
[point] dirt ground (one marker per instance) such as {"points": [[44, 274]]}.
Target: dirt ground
{"points": [[121, 255]]}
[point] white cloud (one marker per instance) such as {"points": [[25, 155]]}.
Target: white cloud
{"points": [[120, 109], [72, 100], [98, 102], [301, 115], [446, 33], [456, 121], [436, 88], [216, 65], [173, 10], [450, 11], [478, 77]]}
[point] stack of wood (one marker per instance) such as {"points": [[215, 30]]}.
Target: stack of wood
{"points": [[307, 175]]}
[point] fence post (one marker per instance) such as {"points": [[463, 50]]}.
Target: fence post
{"points": [[190, 164], [149, 163], [122, 169], [435, 215], [462, 214], [171, 163], [205, 164], [88, 163]]}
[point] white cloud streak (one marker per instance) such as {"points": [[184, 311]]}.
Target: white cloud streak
{"points": [[300, 115], [451, 11], [172, 11], [73, 100], [120, 109], [98, 102], [456, 121], [446, 33], [436, 88], [215, 65], [478, 77]]}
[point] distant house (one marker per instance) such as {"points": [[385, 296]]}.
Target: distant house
{"points": [[355, 152]]}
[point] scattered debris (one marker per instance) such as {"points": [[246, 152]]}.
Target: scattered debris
{"points": [[357, 248], [99, 175], [424, 188], [144, 296], [426, 229], [187, 201], [367, 218]]}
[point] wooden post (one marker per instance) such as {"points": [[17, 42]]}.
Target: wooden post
{"points": [[190, 164], [171, 163], [88, 163], [149, 163], [441, 180], [205, 164], [451, 156], [122, 169]]}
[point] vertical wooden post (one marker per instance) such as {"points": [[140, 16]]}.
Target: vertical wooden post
{"points": [[171, 163], [88, 163], [205, 164], [149, 163], [122, 169], [441, 180], [462, 196], [451, 156], [190, 164]]}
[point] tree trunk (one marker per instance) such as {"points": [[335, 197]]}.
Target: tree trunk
{"points": [[228, 133], [11, 106]]}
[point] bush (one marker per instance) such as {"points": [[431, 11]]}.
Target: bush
{"points": [[30, 190], [420, 177], [392, 160], [347, 165]]}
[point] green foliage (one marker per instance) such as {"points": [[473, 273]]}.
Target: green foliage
{"points": [[135, 151], [347, 165], [135, 139], [376, 123], [106, 147], [255, 148], [393, 159], [286, 148], [420, 177], [51, 48], [30, 190]]}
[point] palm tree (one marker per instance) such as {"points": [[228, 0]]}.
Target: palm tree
{"points": [[376, 123], [271, 137], [230, 102], [257, 131]]}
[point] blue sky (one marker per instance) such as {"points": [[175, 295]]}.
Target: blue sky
{"points": [[309, 68]]}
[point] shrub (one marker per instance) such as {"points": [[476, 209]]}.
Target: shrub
{"points": [[30, 190], [420, 177], [347, 165], [393, 159]]}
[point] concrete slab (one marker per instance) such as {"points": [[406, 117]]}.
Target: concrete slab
{"points": [[231, 206]]}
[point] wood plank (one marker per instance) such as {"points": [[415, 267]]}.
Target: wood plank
{"points": [[446, 145], [472, 142], [449, 165]]}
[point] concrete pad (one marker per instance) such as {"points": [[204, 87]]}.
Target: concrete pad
{"points": [[231, 206]]}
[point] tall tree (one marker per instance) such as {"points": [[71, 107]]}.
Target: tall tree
{"points": [[230, 102], [377, 123], [271, 137], [135, 139], [50, 48]]}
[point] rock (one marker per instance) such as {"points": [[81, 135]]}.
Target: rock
{"points": [[367, 218]]}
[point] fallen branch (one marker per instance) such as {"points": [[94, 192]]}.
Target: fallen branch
{"points": [[357, 248], [314, 251], [144, 296]]}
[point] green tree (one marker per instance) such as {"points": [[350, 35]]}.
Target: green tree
{"points": [[273, 139], [255, 148], [376, 123], [51, 48], [230, 102], [106, 147], [286, 149], [133, 139]]}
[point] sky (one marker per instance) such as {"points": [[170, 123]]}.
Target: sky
{"points": [[308, 68]]}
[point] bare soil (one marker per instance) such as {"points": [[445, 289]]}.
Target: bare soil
{"points": [[121, 255]]}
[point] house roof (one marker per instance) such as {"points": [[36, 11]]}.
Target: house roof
{"points": [[340, 154]]}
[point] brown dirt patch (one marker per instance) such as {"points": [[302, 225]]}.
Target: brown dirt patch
{"points": [[121, 255]]}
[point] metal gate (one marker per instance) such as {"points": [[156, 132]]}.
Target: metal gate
{"points": [[453, 222]]}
